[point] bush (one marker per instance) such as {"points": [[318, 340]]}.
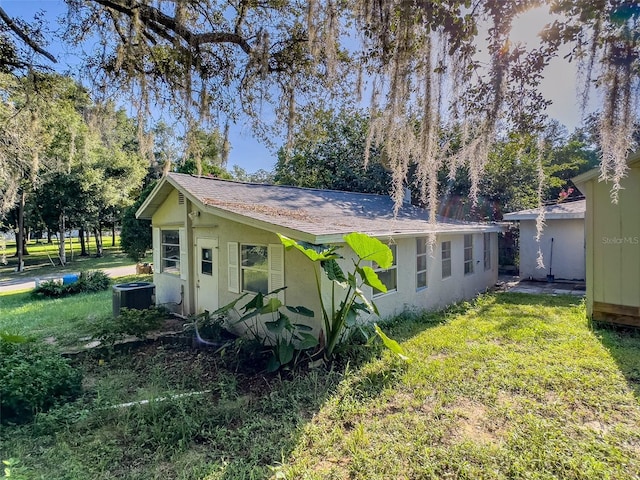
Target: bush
{"points": [[130, 322], [33, 378], [90, 281]]}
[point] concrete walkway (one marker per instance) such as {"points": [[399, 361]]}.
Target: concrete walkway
{"points": [[516, 285], [28, 283]]}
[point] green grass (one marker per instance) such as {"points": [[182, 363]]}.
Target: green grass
{"points": [[67, 320], [509, 387], [38, 262]]}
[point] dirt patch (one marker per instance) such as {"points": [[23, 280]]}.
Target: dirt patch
{"points": [[473, 423]]}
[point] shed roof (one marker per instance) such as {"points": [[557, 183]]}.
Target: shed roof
{"points": [[557, 211], [314, 215], [633, 160]]}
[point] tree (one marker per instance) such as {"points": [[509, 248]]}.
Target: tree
{"points": [[423, 61], [135, 237], [334, 157]]}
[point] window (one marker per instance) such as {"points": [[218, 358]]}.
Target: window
{"points": [[206, 264], [388, 277], [421, 263], [468, 254], [446, 259], [170, 251], [254, 268], [487, 251]]}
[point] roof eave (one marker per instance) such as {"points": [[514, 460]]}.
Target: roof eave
{"points": [[632, 160], [549, 216]]}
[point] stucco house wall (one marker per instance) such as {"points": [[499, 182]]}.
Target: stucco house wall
{"points": [[222, 232], [439, 292], [568, 259], [613, 246]]}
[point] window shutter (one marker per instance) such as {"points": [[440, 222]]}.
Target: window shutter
{"points": [[233, 271], [157, 250], [276, 269], [184, 254]]}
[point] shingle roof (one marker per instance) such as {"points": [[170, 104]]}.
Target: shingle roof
{"points": [[321, 214], [557, 211]]}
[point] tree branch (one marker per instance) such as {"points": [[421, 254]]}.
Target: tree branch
{"points": [[156, 20], [24, 37]]}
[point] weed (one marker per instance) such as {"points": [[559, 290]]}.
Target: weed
{"points": [[34, 378], [130, 322]]}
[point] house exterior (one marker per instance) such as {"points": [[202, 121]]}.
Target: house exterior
{"points": [[215, 239], [564, 227], [613, 246]]}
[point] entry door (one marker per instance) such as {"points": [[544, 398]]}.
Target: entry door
{"points": [[207, 274]]}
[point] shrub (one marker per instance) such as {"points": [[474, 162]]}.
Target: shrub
{"points": [[33, 378], [130, 322], [90, 281]]}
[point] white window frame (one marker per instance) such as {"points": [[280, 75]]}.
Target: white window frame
{"points": [[487, 251], [468, 254], [393, 269], [422, 254], [253, 269], [445, 260], [175, 270]]}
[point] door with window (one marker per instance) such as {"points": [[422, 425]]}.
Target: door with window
{"points": [[206, 274]]}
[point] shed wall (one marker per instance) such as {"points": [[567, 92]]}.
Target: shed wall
{"points": [[568, 260], [614, 252]]}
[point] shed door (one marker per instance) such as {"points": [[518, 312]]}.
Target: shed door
{"points": [[206, 274]]}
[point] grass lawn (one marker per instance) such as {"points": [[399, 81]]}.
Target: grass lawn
{"points": [[512, 386], [41, 255], [67, 320]]}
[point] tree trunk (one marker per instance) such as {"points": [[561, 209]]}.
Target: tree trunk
{"points": [[83, 243], [49, 239], [113, 234], [62, 253], [98, 234], [26, 238], [20, 236]]}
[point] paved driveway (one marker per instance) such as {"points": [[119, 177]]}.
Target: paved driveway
{"points": [[514, 284], [26, 283]]}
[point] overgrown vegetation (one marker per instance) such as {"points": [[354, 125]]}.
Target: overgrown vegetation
{"points": [[91, 281], [509, 386], [34, 378], [130, 322]]}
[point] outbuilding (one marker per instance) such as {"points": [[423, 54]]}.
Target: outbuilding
{"points": [[613, 246], [561, 246]]}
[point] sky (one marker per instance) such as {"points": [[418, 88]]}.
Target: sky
{"points": [[559, 84]]}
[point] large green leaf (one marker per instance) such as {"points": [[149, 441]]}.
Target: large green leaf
{"points": [[256, 302], [285, 351], [333, 271], [271, 306], [300, 310], [316, 254], [370, 277], [278, 325], [369, 248], [224, 309], [308, 341], [391, 344]]}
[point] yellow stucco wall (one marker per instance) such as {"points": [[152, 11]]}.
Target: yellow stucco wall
{"points": [[613, 246]]}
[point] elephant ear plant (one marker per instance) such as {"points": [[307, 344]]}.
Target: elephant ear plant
{"points": [[342, 311]]}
